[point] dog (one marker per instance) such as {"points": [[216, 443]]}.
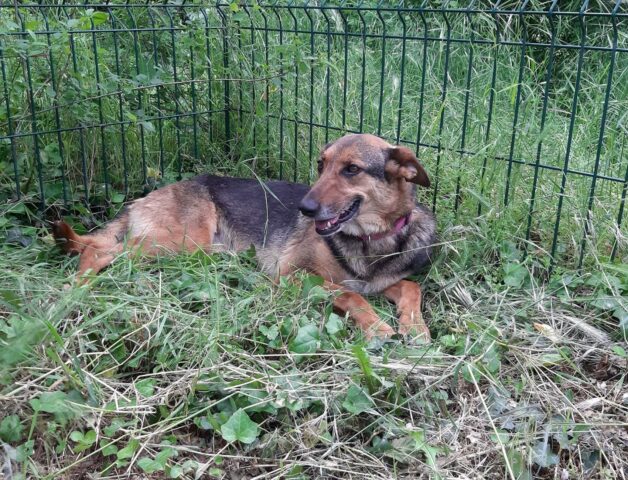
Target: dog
{"points": [[359, 227]]}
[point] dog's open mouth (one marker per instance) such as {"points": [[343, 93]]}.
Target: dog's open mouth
{"points": [[332, 225]]}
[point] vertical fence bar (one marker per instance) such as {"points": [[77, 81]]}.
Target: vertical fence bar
{"points": [[210, 102], [103, 149], [253, 91], [327, 76], [281, 81], [423, 69], [513, 137], [402, 74], [382, 71], [160, 124], [539, 146], [225, 67], [363, 78], [600, 140], [311, 122], [177, 119], [622, 203], [572, 122], [26, 66], [267, 92], [55, 107], [238, 83], [345, 70], [491, 101], [10, 131], [120, 102], [139, 99], [81, 125], [193, 93], [441, 122], [296, 99], [466, 106]]}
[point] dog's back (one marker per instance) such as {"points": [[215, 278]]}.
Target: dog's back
{"points": [[251, 212], [207, 212]]}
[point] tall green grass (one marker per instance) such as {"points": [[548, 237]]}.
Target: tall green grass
{"points": [[285, 70]]}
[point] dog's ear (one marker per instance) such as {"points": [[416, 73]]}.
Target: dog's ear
{"points": [[327, 145], [402, 163]]}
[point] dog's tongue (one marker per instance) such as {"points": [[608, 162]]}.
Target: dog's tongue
{"points": [[325, 224]]}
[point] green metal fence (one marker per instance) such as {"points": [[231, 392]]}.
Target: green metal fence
{"points": [[518, 109]]}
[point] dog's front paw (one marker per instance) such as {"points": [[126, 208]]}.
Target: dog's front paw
{"points": [[379, 330], [415, 328]]}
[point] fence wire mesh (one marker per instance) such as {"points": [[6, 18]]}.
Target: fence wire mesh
{"points": [[517, 108]]}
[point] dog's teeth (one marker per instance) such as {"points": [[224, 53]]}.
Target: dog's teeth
{"points": [[328, 224]]}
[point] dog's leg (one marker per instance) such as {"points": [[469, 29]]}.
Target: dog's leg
{"points": [[361, 312], [407, 297]]}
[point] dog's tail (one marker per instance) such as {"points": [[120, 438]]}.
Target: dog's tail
{"points": [[69, 241]]}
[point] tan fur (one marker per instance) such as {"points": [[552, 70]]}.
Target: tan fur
{"points": [[183, 217]]}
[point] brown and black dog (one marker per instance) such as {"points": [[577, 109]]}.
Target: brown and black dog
{"points": [[360, 227]]}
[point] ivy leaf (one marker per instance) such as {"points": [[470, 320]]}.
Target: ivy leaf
{"points": [[129, 450], [146, 387], [57, 403], [149, 466], [334, 324], [515, 275], [240, 427], [543, 455], [357, 400], [307, 339], [175, 472], [269, 332], [117, 198], [11, 429], [99, 18]]}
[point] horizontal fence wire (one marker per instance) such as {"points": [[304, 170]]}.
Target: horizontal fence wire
{"points": [[516, 108]]}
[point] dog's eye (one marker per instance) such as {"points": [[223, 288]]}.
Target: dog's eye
{"points": [[353, 169], [320, 166]]}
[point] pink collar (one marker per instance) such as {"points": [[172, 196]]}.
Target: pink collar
{"points": [[399, 224]]}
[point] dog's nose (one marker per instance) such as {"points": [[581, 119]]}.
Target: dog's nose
{"points": [[308, 206]]}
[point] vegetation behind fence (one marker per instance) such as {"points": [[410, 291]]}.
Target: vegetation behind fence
{"points": [[517, 109]]}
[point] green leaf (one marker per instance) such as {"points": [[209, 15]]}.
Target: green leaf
{"points": [[117, 198], [334, 324], [515, 275], [57, 403], [309, 282], [271, 332], [240, 427], [108, 449], [100, 18], [616, 349], [11, 429], [175, 472], [518, 465], [24, 451], [365, 365], [149, 466], [357, 400], [163, 456], [129, 450], [307, 339], [146, 387], [543, 456]]}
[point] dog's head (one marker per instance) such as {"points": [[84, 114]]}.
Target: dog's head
{"points": [[364, 185]]}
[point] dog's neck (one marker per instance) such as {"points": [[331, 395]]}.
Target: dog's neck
{"points": [[398, 226]]}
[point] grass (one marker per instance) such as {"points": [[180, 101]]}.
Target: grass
{"points": [[200, 367], [150, 368]]}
